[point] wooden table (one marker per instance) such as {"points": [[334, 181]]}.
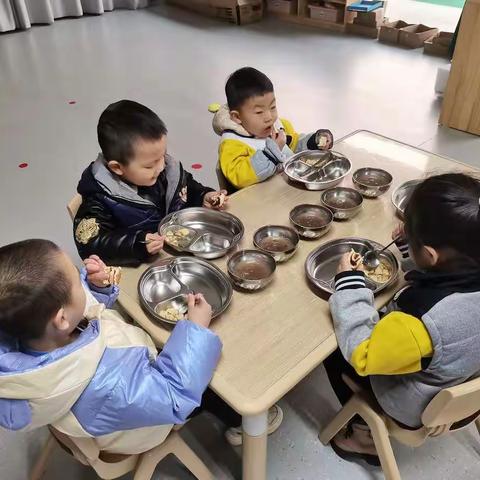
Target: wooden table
{"points": [[273, 338]]}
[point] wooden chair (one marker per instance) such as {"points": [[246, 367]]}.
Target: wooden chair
{"points": [[74, 205], [109, 466], [450, 410], [223, 182]]}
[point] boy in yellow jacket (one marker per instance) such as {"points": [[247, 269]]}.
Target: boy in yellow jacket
{"points": [[255, 142]]}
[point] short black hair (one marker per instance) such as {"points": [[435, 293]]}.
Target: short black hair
{"points": [[245, 83], [123, 123], [444, 212], [32, 288]]}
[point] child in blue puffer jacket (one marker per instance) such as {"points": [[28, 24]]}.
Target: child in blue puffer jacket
{"points": [[99, 377]]}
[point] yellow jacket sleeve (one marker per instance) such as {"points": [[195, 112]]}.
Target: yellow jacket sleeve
{"points": [[397, 344], [289, 130], [235, 163]]}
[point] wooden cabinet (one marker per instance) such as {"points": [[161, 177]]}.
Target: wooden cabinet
{"points": [[461, 104]]}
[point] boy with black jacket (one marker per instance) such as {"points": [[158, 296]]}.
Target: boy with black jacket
{"points": [[131, 187]]}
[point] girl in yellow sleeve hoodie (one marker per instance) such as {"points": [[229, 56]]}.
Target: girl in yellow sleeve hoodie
{"points": [[426, 338], [254, 141]]}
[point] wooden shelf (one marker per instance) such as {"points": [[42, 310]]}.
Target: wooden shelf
{"points": [[303, 16]]}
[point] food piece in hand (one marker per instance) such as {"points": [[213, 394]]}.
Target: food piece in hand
{"points": [[322, 141], [172, 314], [114, 275], [219, 200], [355, 259]]}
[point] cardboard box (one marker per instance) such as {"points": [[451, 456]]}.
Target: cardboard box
{"points": [[288, 7], [443, 38], [389, 32], [327, 14], [370, 19], [239, 12], [439, 45], [416, 35], [431, 48], [364, 30]]}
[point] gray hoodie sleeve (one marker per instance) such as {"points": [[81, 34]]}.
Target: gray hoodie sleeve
{"points": [[353, 311]]}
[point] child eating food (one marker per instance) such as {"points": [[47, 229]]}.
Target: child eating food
{"points": [[426, 338], [254, 140], [132, 186]]}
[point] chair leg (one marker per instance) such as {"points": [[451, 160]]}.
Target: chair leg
{"points": [[190, 459], [349, 410], [42, 461], [382, 442], [149, 460]]}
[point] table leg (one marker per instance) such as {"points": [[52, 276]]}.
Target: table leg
{"points": [[255, 446]]}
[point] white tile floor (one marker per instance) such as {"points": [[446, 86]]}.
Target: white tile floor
{"points": [[177, 63]]}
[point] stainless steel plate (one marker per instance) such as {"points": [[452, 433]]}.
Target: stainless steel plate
{"points": [[167, 283], [321, 265], [317, 170], [402, 194], [216, 232]]}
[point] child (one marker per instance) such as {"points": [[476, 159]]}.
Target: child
{"points": [[426, 339], [102, 378], [254, 141], [131, 186]]}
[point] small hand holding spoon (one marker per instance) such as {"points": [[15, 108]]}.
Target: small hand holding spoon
{"points": [[371, 259]]}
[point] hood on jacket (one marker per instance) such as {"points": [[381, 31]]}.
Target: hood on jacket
{"points": [[39, 390], [97, 178], [222, 122]]}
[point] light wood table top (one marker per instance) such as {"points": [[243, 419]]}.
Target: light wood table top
{"points": [[273, 338]]}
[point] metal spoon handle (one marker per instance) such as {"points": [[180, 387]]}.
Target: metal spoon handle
{"points": [[390, 244]]}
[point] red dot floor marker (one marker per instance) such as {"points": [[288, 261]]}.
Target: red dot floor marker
{"points": [[23, 165], [197, 166], [72, 102]]}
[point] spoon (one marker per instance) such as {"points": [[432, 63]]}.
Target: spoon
{"points": [[371, 259]]}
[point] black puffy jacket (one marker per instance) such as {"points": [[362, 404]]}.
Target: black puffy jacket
{"points": [[114, 217]]}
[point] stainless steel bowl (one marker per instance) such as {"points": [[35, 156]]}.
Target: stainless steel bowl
{"points": [[331, 168], [402, 194], [279, 241], [372, 182], [321, 265], [251, 269], [344, 202], [311, 221], [167, 283], [215, 232]]}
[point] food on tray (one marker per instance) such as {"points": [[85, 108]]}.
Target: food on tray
{"points": [[178, 237], [276, 244], [172, 314], [381, 274], [219, 200], [114, 275], [355, 259]]}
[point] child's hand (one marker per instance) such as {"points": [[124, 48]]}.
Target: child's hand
{"points": [[154, 243], [324, 139], [96, 271], [345, 264], [399, 232], [199, 310], [280, 138], [216, 200]]}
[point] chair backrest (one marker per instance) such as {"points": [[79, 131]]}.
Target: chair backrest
{"points": [[454, 405], [86, 451], [74, 205], [223, 182]]}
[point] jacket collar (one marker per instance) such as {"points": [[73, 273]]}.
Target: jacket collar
{"points": [[223, 123]]}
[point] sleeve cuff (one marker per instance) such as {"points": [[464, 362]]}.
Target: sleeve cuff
{"points": [[350, 280], [403, 247]]}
